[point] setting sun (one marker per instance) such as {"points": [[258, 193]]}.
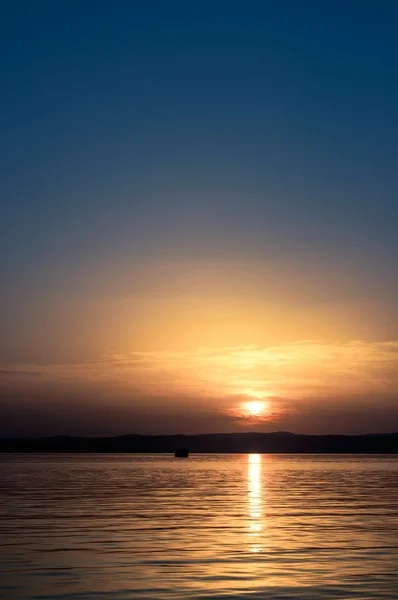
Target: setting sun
{"points": [[255, 407]]}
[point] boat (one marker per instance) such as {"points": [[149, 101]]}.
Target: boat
{"points": [[181, 453]]}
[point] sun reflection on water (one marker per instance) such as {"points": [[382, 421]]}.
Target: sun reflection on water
{"points": [[255, 525]]}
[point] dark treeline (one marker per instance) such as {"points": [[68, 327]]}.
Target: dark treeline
{"points": [[280, 442]]}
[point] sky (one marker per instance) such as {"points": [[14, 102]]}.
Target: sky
{"points": [[198, 211]]}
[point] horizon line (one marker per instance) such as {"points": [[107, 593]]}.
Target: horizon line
{"points": [[240, 433]]}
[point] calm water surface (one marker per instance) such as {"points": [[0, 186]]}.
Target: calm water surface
{"points": [[232, 526]]}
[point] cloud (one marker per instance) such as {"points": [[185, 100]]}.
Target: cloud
{"points": [[306, 386], [296, 370]]}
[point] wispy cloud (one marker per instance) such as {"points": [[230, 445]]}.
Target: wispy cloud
{"points": [[293, 370], [306, 386]]}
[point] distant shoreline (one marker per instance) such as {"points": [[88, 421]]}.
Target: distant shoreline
{"points": [[227, 443]]}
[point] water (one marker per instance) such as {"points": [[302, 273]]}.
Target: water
{"points": [[126, 526]]}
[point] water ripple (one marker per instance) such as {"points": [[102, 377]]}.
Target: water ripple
{"points": [[94, 527]]}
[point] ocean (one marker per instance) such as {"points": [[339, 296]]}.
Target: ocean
{"points": [[115, 527]]}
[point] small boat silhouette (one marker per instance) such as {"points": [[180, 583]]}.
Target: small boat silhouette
{"points": [[181, 453]]}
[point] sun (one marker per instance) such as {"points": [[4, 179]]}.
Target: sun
{"points": [[255, 407]]}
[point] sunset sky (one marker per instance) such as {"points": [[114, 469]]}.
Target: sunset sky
{"points": [[198, 211]]}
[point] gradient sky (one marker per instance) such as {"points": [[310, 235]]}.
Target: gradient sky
{"points": [[198, 209]]}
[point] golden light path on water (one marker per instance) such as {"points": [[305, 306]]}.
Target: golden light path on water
{"points": [[255, 512]]}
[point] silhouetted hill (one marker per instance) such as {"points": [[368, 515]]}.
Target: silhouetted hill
{"points": [[278, 442]]}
